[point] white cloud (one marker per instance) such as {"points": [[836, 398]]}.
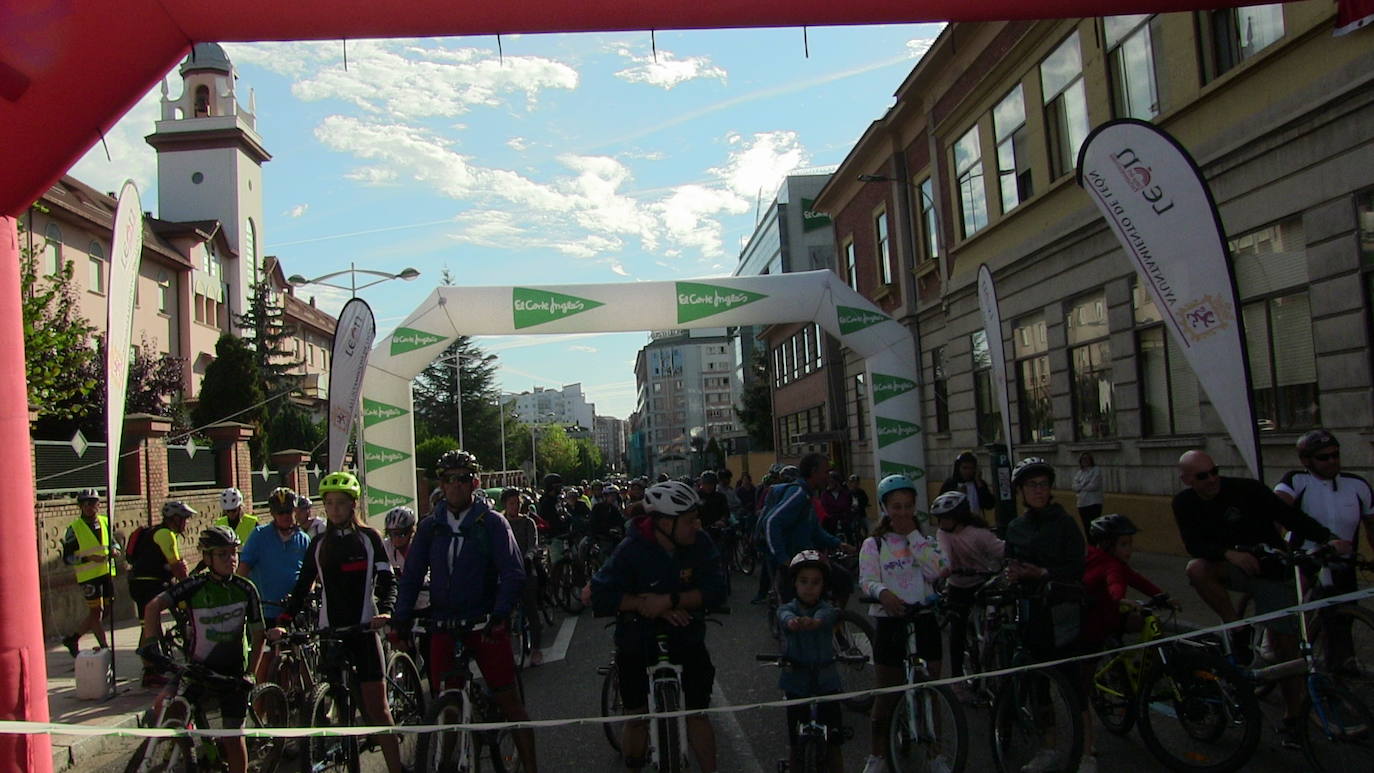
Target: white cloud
{"points": [[518, 144], [130, 157], [581, 348], [297, 211], [618, 268], [761, 163], [667, 71]]}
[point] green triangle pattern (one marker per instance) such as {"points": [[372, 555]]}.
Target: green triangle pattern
{"points": [[886, 387], [852, 319], [380, 456], [379, 501], [886, 468], [407, 339], [532, 307], [696, 300], [376, 412], [893, 430]]}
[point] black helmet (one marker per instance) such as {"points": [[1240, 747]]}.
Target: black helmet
{"points": [[281, 500], [709, 477], [454, 460], [507, 493], [1110, 525], [553, 480], [1315, 440], [1031, 466], [218, 537], [966, 456], [790, 473]]}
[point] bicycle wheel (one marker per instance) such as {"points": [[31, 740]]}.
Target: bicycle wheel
{"points": [[853, 641], [405, 693], [267, 707], [327, 710], [164, 755], [505, 757], [577, 577], [519, 638], [1352, 658], [929, 731], [813, 754], [446, 749], [1198, 713], [1337, 733], [671, 745], [1036, 722], [611, 705], [1112, 696]]}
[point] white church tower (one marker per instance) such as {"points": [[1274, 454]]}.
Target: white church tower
{"points": [[209, 167]]}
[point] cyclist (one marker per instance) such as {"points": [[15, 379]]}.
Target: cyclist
{"points": [[224, 615], [88, 545], [970, 547], [792, 525], [272, 560], [526, 533], [349, 562], [898, 566], [1217, 516], [231, 503], [154, 562], [715, 507], [634, 491], [579, 513], [475, 569], [731, 498], [666, 570], [808, 625], [607, 521], [1045, 545], [836, 502], [310, 524], [551, 504]]}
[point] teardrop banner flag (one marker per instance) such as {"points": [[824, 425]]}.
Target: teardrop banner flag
{"points": [[1154, 198], [352, 344], [992, 326]]}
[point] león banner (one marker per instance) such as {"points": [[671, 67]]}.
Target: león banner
{"points": [[997, 351], [347, 362]]}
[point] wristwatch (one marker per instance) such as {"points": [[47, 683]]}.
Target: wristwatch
{"points": [[675, 598]]}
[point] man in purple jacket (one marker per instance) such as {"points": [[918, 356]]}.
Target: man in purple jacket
{"points": [[475, 569]]}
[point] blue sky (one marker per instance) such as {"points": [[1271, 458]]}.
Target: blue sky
{"points": [[573, 158]]}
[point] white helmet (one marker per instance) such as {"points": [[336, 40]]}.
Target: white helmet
{"points": [[230, 499], [670, 499], [400, 518]]}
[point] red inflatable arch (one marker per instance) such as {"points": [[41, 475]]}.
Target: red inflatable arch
{"points": [[70, 68]]}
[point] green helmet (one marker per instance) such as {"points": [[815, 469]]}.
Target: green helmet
{"points": [[343, 481]]}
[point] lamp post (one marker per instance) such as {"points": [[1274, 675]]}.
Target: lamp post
{"points": [[458, 395], [407, 274]]}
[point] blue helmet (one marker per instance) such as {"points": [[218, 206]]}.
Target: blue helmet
{"points": [[894, 483]]}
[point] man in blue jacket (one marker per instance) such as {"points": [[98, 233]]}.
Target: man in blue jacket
{"points": [[475, 569], [663, 576], [792, 524]]}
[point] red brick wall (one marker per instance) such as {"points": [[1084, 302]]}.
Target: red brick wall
{"points": [[856, 221]]}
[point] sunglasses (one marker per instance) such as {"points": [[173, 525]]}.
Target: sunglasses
{"points": [[458, 477], [1326, 457], [1206, 474]]}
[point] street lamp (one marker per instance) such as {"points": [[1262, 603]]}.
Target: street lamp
{"points": [[458, 389], [407, 274]]}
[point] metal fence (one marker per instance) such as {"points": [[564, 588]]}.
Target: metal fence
{"points": [[190, 466], [65, 467]]}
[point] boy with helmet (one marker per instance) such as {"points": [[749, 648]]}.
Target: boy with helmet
{"points": [[89, 546], [808, 627], [231, 504], [272, 559], [664, 573], [1107, 578], [974, 553], [224, 615], [311, 524], [153, 563]]}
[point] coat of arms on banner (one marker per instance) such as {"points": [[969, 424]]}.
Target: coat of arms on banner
{"points": [[1206, 316]]}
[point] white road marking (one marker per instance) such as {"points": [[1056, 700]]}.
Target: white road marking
{"points": [[728, 725], [559, 650]]}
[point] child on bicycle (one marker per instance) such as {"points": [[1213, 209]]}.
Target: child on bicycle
{"points": [[1106, 579], [808, 623], [898, 566], [974, 553]]}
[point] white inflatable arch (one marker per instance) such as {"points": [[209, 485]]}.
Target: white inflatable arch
{"points": [[819, 296]]}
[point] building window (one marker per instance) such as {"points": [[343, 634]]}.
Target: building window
{"points": [[806, 344], [1271, 276], [1131, 64], [779, 368], [795, 358], [928, 221], [97, 267], [52, 250], [819, 336], [1168, 389], [968, 168], [940, 382], [860, 407], [1030, 347], [1090, 367], [1236, 34], [851, 267], [883, 248], [1013, 157], [1066, 105], [986, 409]]}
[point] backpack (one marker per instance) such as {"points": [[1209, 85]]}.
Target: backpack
{"points": [[133, 543]]}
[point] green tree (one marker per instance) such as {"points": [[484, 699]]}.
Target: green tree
{"points": [[436, 406], [232, 391], [290, 426], [57, 341], [269, 340], [154, 383], [427, 452], [589, 462], [557, 451], [755, 409]]}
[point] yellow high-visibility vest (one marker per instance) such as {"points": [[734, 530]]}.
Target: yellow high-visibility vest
{"points": [[94, 553]]}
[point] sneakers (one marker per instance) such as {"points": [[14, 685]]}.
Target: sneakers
{"points": [[875, 764], [1044, 761], [70, 642]]}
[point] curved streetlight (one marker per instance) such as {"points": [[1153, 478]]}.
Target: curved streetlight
{"points": [[457, 360], [407, 274]]}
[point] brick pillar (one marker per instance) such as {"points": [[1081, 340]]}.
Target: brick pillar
{"points": [[292, 463], [231, 450], [144, 472]]}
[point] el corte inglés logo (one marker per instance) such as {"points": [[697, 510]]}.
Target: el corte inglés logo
{"points": [[852, 319], [380, 456], [537, 307], [886, 387], [407, 339], [379, 501], [375, 412], [886, 468], [695, 300], [892, 430]]}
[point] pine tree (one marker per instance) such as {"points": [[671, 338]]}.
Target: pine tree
{"points": [[264, 322], [436, 409], [755, 410], [232, 391]]}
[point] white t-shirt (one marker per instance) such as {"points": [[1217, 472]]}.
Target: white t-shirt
{"points": [[1338, 504]]}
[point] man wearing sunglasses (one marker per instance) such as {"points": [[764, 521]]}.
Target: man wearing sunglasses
{"points": [[1217, 515]]}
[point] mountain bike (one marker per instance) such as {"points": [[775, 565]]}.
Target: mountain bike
{"points": [[812, 735], [468, 702], [928, 728]]}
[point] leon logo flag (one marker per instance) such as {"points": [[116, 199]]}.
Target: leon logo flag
{"points": [[376, 412], [380, 456], [992, 329], [886, 468], [696, 300], [125, 252], [353, 336], [893, 430], [407, 339], [379, 501], [537, 307], [886, 387], [852, 319]]}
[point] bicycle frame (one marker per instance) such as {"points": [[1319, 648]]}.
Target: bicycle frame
{"points": [[663, 673], [920, 717]]}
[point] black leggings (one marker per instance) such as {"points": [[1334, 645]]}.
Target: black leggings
{"points": [[960, 607]]}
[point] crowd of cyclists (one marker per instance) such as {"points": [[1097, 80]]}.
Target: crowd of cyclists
{"points": [[475, 556]]}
